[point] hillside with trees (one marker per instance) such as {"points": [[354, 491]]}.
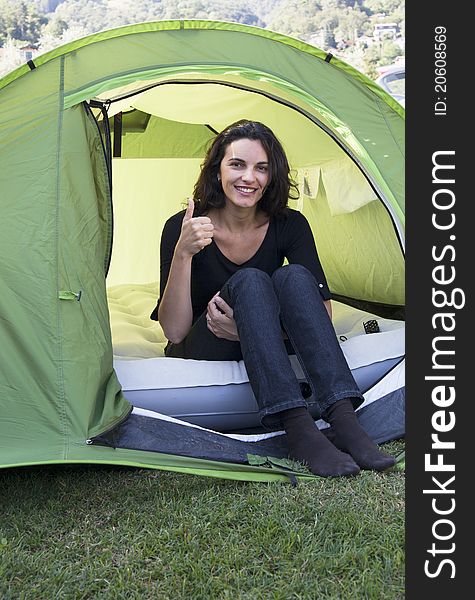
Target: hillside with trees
{"points": [[343, 27]]}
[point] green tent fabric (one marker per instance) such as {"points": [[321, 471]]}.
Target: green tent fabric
{"points": [[167, 87]]}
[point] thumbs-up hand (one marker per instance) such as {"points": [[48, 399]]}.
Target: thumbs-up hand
{"points": [[196, 232], [189, 210]]}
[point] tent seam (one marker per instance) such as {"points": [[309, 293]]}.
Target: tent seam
{"points": [[60, 371], [390, 129]]}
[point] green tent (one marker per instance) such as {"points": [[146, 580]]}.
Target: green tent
{"points": [[166, 88]]}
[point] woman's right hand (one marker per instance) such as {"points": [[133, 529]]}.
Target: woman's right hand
{"points": [[196, 232]]}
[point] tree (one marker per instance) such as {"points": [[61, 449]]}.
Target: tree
{"points": [[19, 21], [328, 24], [379, 55], [383, 6]]}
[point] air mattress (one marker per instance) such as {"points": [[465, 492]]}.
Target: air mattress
{"points": [[217, 395]]}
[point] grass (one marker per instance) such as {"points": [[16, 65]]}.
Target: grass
{"points": [[112, 532]]}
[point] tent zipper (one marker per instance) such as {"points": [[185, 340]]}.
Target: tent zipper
{"points": [[107, 151], [110, 435]]}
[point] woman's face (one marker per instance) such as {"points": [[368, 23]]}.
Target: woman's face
{"points": [[244, 172]]}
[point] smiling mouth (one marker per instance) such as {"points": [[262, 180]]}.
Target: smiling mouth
{"points": [[245, 190]]}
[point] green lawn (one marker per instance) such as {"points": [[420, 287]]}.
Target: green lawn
{"points": [[112, 532]]}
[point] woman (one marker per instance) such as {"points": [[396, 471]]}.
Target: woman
{"points": [[224, 295]]}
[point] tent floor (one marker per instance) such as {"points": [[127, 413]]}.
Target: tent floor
{"points": [[384, 420]]}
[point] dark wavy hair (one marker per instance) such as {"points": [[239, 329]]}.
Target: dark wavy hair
{"points": [[208, 192]]}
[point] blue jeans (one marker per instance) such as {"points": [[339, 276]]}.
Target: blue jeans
{"points": [[264, 306]]}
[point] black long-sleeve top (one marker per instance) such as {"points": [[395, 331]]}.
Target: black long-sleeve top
{"points": [[287, 237]]}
